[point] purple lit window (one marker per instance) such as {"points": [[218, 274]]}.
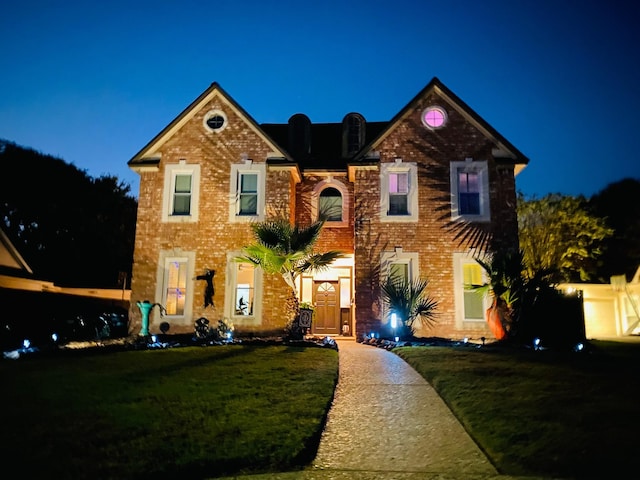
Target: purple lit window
{"points": [[398, 194], [468, 193], [434, 117]]}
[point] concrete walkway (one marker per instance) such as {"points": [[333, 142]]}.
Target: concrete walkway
{"points": [[387, 422]]}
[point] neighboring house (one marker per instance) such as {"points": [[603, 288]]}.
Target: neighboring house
{"points": [[611, 310], [417, 196]]}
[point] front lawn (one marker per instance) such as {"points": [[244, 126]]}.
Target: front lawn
{"points": [[191, 412], [570, 414]]}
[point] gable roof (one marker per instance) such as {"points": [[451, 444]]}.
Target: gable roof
{"points": [[504, 149], [10, 258], [148, 158]]}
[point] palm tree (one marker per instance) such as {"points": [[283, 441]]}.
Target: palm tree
{"points": [[286, 249], [408, 300]]}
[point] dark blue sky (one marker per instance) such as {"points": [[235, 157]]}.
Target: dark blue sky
{"points": [[93, 82]]}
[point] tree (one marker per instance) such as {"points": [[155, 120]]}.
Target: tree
{"points": [[409, 302], [559, 238], [71, 229], [618, 204], [287, 250]]}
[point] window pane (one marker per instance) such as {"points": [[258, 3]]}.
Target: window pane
{"points": [[469, 204], [248, 204], [183, 184], [398, 205], [245, 288], [399, 271], [182, 205], [398, 183], [331, 204], [249, 183], [473, 308], [176, 283]]}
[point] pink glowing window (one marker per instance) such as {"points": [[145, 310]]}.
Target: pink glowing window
{"points": [[434, 117]]}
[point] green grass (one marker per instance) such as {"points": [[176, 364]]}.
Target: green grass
{"points": [[176, 413], [543, 413]]}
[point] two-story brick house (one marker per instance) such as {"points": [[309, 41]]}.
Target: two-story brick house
{"points": [[419, 195]]}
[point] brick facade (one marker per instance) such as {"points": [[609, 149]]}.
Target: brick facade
{"points": [[291, 191]]}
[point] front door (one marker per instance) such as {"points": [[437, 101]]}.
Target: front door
{"points": [[326, 300]]}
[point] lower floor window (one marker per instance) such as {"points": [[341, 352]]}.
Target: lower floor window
{"points": [[175, 286], [473, 301], [245, 289]]}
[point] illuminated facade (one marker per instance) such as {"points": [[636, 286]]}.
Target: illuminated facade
{"points": [[414, 196]]}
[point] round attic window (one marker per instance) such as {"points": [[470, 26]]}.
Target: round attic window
{"points": [[434, 117], [215, 121]]}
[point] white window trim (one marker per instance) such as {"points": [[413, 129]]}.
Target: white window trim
{"points": [[247, 167], [167, 256], [230, 290], [215, 113], [459, 260], [171, 171], [315, 201], [482, 169], [412, 197]]}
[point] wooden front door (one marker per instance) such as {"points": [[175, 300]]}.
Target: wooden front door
{"points": [[326, 297]]}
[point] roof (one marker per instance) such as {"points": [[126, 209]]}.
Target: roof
{"points": [[10, 258], [326, 143], [325, 139]]}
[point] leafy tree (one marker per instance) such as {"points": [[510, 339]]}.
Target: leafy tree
{"points": [[559, 238], [71, 229], [619, 205], [410, 302], [287, 250]]}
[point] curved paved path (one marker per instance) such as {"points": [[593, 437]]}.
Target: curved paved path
{"points": [[387, 418], [386, 422]]}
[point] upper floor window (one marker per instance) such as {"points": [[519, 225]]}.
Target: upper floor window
{"points": [[399, 192], [215, 121], [181, 191], [331, 204], [247, 192], [182, 195], [353, 134], [330, 199], [470, 190]]}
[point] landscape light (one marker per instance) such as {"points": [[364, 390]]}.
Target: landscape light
{"points": [[536, 343]]}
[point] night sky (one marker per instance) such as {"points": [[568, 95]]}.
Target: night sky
{"points": [[92, 83]]}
